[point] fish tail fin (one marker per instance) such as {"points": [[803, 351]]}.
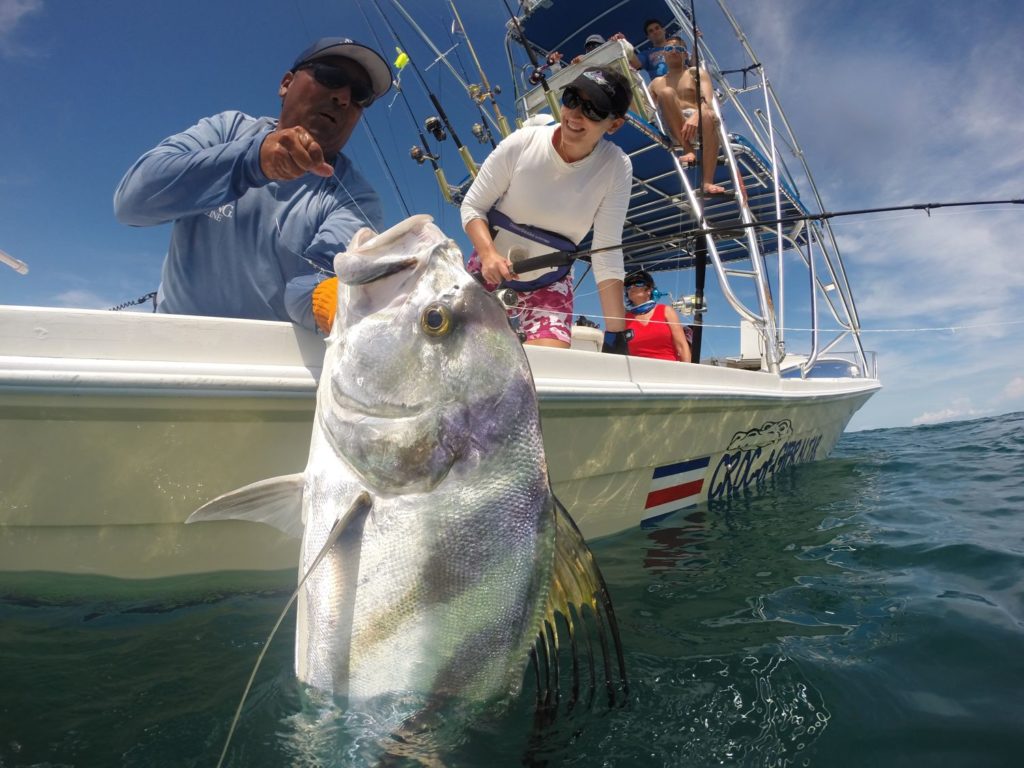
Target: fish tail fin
{"points": [[578, 605]]}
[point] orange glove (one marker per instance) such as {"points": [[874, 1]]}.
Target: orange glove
{"points": [[325, 304]]}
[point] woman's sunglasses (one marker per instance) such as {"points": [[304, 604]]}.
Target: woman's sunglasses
{"points": [[571, 99], [334, 77]]}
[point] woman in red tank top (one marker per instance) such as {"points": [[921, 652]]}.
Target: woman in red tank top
{"points": [[657, 331]]}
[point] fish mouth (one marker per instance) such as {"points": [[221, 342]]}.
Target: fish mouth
{"points": [[379, 410], [365, 273]]}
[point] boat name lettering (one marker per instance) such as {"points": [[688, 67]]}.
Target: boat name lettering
{"points": [[741, 469]]}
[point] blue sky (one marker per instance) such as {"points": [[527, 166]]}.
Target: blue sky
{"points": [[894, 103]]}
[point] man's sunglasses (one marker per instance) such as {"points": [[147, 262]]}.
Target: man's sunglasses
{"points": [[671, 49], [571, 99], [335, 77]]}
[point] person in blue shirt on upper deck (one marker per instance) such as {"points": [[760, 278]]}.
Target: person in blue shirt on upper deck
{"points": [[652, 59], [261, 206]]}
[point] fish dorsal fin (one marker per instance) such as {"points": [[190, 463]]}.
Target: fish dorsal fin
{"points": [[276, 502], [579, 597], [361, 506]]}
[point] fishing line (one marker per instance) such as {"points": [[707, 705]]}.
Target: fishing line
{"points": [[362, 501], [380, 157], [925, 329]]}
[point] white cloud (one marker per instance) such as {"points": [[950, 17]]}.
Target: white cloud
{"points": [[959, 409], [81, 299], [11, 14], [1014, 390]]}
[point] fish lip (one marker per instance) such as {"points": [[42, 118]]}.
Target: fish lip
{"points": [[380, 411]]}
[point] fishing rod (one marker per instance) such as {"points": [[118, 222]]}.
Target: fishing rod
{"points": [[700, 94], [422, 152], [467, 158], [538, 70], [442, 57], [561, 258], [488, 92], [17, 265], [480, 130], [700, 244]]}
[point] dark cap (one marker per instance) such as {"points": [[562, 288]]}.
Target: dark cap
{"points": [[593, 40], [640, 277], [374, 64], [606, 89]]}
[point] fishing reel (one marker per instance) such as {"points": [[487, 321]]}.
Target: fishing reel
{"points": [[483, 135], [690, 305], [420, 156], [537, 75], [479, 95], [510, 302], [432, 125], [507, 297]]}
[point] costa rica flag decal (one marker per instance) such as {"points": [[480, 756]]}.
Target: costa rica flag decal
{"points": [[675, 486]]}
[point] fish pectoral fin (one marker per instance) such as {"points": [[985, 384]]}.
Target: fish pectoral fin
{"points": [[276, 502], [579, 597]]}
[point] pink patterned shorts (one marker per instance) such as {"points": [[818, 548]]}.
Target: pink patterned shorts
{"points": [[543, 314]]}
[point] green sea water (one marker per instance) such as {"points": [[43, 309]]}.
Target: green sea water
{"points": [[866, 610]]}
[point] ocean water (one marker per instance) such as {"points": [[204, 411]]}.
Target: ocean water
{"points": [[866, 610]]}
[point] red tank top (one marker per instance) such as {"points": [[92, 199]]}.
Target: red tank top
{"points": [[653, 338]]}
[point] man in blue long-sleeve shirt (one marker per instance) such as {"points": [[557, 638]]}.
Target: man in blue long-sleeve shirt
{"points": [[261, 206]]}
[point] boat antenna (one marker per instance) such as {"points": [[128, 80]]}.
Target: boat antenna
{"points": [[421, 152], [538, 75], [467, 158], [488, 92]]}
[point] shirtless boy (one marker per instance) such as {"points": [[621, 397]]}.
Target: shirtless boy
{"points": [[676, 96]]}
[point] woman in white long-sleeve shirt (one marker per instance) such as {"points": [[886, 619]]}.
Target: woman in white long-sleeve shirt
{"points": [[564, 180]]}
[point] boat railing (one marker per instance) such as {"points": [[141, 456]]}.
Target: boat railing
{"points": [[765, 131], [746, 238]]}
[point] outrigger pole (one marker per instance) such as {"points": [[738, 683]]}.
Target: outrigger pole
{"points": [[488, 92]]}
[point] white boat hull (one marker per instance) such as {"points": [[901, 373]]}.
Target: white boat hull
{"points": [[115, 427]]}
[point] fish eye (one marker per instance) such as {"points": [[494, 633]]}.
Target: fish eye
{"points": [[436, 320]]}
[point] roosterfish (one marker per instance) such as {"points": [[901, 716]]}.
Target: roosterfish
{"points": [[436, 562]]}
